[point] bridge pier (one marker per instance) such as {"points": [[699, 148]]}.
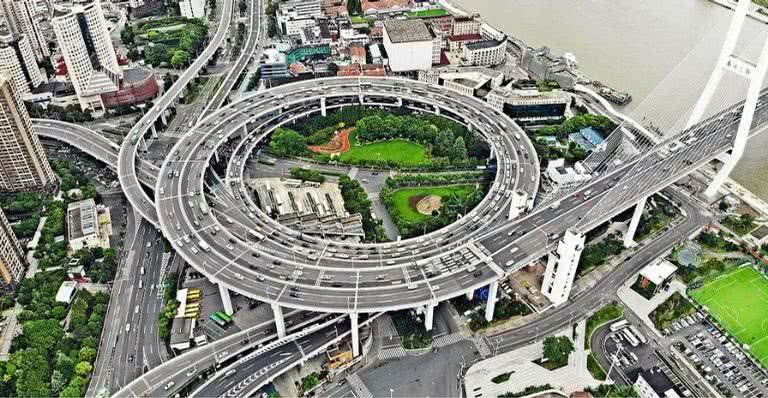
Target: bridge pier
{"points": [[429, 316], [561, 267], [279, 320], [490, 305], [470, 294], [629, 237], [143, 144], [362, 99], [323, 109], [355, 334], [437, 110], [226, 301], [399, 102], [163, 118], [153, 130]]}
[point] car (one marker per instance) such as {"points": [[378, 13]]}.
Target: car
{"points": [[130, 358]]}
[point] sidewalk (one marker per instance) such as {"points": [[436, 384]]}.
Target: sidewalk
{"points": [[642, 307], [570, 378]]}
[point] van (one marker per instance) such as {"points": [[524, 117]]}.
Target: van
{"points": [[230, 373], [169, 385]]}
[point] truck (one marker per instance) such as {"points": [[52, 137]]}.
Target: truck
{"points": [[204, 246]]}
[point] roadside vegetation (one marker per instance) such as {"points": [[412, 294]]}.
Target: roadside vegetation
{"points": [[454, 200], [556, 352], [356, 202], [596, 254], [606, 314], [675, 307], [741, 225], [594, 368], [307, 175], [412, 333]]}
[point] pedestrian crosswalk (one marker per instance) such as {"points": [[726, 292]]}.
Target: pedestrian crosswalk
{"points": [[447, 339], [482, 346], [358, 387], [391, 353]]}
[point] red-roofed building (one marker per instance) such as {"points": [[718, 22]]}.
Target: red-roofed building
{"points": [[456, 42], [361, 70], [357, 54]]}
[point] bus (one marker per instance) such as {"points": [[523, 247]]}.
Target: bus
{"points": [[193, 295], [619, 325], [640, 336], [218, 320], [630, 338], [224, 316], [267, 161]]}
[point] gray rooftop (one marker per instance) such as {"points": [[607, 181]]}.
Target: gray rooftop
{"points": [[408, 30], [478, 45]]}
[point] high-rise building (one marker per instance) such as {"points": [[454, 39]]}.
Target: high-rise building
{"points": [[91, 61], [23, 164], [192, 8], [21, 18], [18, 60], [12, 261]]}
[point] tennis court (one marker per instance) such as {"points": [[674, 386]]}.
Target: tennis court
{"points": [[739, 301]]}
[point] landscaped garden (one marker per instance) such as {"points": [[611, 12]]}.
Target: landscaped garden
{"points": [[674, 307], [173, 40], [372, 137], [739, 302], [413, 334]]}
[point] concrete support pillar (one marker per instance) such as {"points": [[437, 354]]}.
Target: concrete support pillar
{"points": [[561, 267], [429, 316], [490, 305], [153, 130], [629, 237], [355, 334], [143, 144], [362, 99], [163, 119], [470, 294], [437, 110], [216, 156], [226, 301], [323, 110], [279, 320], [399, 102]]}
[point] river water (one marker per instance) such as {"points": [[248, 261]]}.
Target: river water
{"points": [[661, 51]]}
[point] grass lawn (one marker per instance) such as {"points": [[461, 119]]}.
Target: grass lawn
{"points": [[739, 301], [436, 12], [400, 151], [402, 196]]}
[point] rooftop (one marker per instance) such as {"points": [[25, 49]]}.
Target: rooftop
{"points": [[431, 13], [81, 219], [407, 31], [466, 37], [479, 45], [658, 380], [658, 271]]}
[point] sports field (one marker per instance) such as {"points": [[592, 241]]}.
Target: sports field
{"points": [[400, 151], [739, 301]]}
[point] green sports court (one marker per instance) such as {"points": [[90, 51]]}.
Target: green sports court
{"points": [[739, 301]]}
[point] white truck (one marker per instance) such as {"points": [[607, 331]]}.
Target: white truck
{"points": [[204, 246]]}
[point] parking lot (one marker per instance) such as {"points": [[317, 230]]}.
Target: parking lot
{"points": [[718, 359]]}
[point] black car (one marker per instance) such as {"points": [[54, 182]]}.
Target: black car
{"points": [[130, 358]]}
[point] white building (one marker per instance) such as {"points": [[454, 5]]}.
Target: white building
{"points": [[192, 8], [484, 53], [466, 25], [466, 80], [561, 267], [84, 40], [410, 45], [21, 18], [563, 176], [348, 37], [294, 15], [88, 225], [18, 60]]}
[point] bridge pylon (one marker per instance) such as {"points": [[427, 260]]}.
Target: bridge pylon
{"points": [[754, 73]]}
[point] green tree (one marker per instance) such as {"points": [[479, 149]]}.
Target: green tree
{"points": [[87, 354], [64, 364], [30, 367], [127, 36], [443, 141], [83, 368], [156, 54], [458, 152], [75, 388], [153, 35], [179, 58], [557, 349], [43, 334], [58, 381], [286, 142]]}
